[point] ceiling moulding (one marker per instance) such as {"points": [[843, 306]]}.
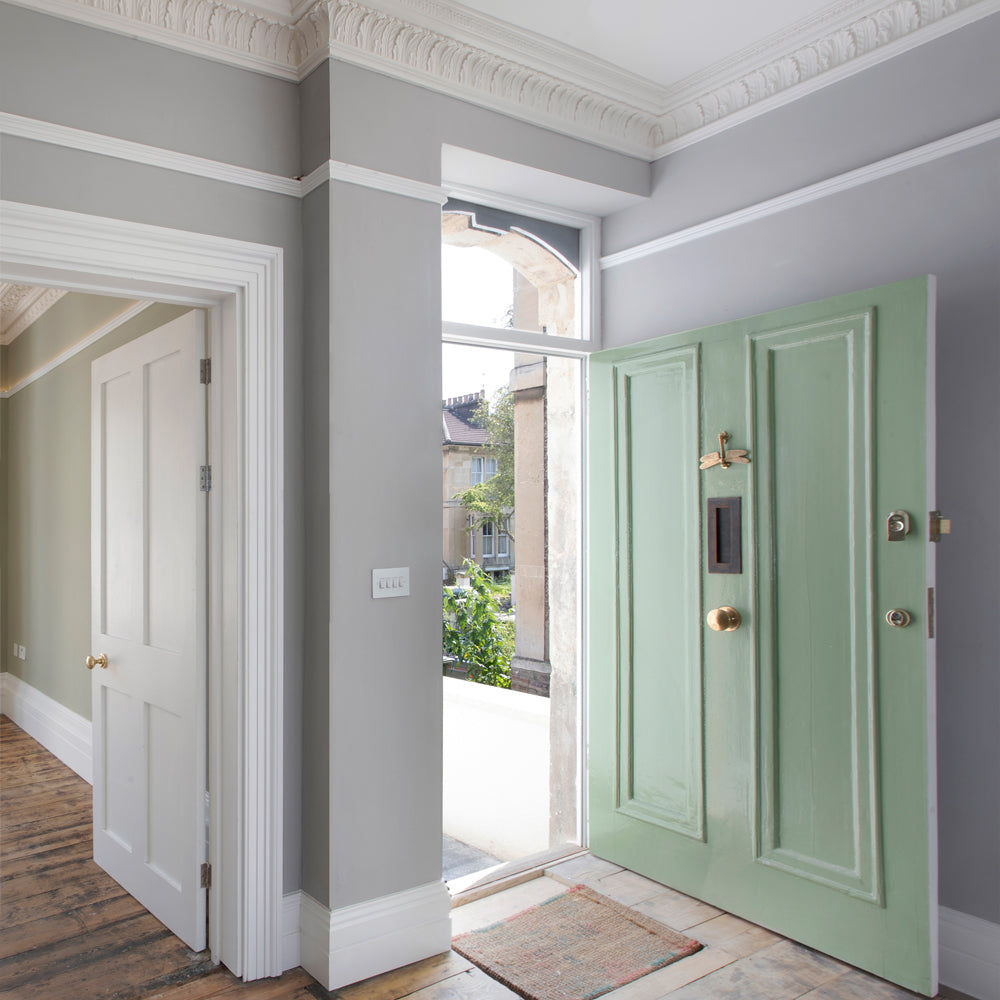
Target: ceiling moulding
{"points": [[21, 305], [450, 48]]}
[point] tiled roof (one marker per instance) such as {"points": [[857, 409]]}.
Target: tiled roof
{"points": [[458, 431]]}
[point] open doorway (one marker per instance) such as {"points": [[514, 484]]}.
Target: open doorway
{"points": [[240, 285], [512, 520]]}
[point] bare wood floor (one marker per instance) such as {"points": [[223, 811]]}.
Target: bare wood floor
{"points": [[67, 930]]}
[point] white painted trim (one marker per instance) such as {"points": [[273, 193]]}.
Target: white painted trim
{"points": [[138, 152], [961, 141], [92, 338], [970, 954], [60, 730], [291, 910], [227, 173], [366, 939], [334, 170], [49, 246]]}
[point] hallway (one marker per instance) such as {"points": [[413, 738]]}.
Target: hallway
{"points": [[67, 929]]}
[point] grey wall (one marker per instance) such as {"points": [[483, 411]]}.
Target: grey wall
{"points": [[362, 370], [89, 79], [134, 90], [46, 586], [943, 219]]}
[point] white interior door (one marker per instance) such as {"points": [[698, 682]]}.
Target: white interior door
{"points": [[148, 601]]}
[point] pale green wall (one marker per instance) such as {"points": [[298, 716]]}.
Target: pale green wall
{"points": [[46, 456]]}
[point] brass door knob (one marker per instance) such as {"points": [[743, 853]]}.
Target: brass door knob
{"points": [[724, 619], [97, 661], [898, 618]]}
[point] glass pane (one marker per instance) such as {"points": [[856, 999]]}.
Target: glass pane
{"points": [[503, 270]]}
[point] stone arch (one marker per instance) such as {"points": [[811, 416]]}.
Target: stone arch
{"points": [[545, 282]]}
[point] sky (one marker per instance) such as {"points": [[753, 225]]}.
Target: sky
{"points": [[477, 287]]}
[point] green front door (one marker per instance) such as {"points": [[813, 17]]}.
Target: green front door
{"points": [[784, 770]]}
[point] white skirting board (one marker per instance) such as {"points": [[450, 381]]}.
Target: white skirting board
{"points": [[970, 954], [356, 942], [61, 731]]}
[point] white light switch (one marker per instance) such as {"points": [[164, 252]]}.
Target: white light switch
{"points": [[391, 582]]}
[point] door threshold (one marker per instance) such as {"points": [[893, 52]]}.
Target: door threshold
{"points": [[469, 888]]}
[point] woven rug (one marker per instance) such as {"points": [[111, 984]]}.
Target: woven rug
{"points": [[574, 947]]}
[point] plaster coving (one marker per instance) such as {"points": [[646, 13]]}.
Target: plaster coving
{"points": [[448, 47]]}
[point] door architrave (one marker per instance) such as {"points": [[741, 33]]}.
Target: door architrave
{"points": [[241, 286]]}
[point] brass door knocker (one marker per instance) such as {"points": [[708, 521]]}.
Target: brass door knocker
{"points": [[723, 457]]}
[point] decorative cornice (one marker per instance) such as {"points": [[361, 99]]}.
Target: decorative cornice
{"points": [[370, 37], [21, 305], [824, 59], [445, 46]]}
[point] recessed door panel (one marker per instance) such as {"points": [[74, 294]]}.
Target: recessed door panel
{"points": [[814, 454], [659, 678]]}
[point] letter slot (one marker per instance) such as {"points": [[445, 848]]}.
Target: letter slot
{"points": [[725, 531]]}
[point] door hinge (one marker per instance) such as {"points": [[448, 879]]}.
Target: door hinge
{"points": [[206, 875], [206, 371], [937, 526], [206, 478]]}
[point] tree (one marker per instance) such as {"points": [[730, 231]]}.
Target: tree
{"points": [[492, 501], [475, 633]]}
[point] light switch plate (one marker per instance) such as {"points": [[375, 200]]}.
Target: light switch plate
{"points": [[391, 582]]}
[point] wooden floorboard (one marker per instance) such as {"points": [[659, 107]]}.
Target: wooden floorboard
{"points": [[68, 930]]}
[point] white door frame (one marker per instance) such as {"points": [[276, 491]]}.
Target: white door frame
{"points": [[241, 284]]}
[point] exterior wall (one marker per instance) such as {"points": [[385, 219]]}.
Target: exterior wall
{"points": [[940, 218]]}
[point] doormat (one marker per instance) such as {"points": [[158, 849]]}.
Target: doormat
{"points": [[577, 946]]}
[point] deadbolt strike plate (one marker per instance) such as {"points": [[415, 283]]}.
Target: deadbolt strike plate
{"points": [[938, 526]]}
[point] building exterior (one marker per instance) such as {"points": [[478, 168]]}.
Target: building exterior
{"points": [[286, 174], [466, 462]]}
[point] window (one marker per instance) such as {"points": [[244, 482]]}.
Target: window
{"points": [[487, 540], [483, 469], [503, 546]]}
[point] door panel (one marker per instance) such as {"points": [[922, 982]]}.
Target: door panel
{"points": [[660, 759], [780, 771], [148, 608], [812, 472]]}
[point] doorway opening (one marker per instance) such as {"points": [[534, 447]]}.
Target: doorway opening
{"points": [[512, 522], [240, 285]]}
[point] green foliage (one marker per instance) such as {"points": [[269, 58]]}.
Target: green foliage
{"points": [[474, 633], [493, 500]]}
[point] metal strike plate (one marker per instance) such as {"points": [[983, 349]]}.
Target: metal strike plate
{"points": [[938, 526], [897, 525]]}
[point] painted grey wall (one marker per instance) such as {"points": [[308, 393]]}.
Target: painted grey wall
{"points": [[41, 174], [933, 91], [46, 586], [386, 124], [65, 73], [942, 218]]}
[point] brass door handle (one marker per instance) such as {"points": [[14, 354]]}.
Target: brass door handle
{"points": [[97, 661], [724, 619]]}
